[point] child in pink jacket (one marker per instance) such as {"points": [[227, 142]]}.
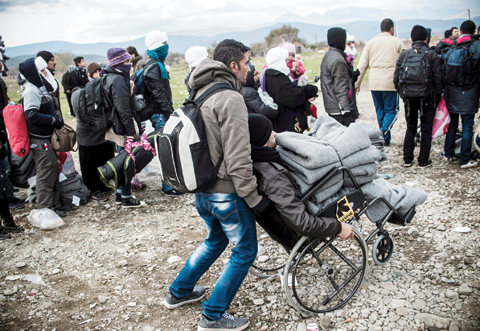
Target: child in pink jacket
{"points": [[295, 66]]}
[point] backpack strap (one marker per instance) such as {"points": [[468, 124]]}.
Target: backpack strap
{"points": [[208, 93]]}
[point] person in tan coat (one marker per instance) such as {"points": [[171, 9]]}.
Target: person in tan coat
{"points": [[380, 55]]}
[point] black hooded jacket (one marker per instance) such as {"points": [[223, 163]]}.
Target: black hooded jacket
{"points": [[157, 90], [119, 97], [290, 98], [253, 101]]}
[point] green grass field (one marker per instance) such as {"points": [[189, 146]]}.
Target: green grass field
{"points": [[311, 62]]}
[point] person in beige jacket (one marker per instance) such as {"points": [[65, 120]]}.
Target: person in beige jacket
{"points": [[380, 55], [227, 206]]}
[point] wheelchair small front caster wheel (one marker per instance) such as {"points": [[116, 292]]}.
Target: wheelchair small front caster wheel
{"points": [[383, 248]]}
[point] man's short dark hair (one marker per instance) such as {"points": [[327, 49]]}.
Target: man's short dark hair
{"points": [[468, 27], [77, 60], [386, 25], [229, 50], [453, 28], [132, 50], [448, 34]]}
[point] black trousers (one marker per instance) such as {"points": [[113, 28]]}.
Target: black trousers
{"points": [[92, 157], [426, 123], [69, 100]]}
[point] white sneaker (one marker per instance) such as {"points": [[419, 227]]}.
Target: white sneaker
{"points": [[470, 164]]}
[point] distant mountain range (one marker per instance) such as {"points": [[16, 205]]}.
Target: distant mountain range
{"points": [[311, 33]]}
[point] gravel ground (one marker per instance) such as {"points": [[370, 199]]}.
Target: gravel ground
{"points": [[109, 268]]}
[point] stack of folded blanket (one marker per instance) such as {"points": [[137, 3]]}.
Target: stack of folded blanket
{"points": [[331, 145]]}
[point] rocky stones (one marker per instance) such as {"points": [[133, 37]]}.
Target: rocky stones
{"points": [[475, 284], [413, 231], [403, 311], [10, 291], [258, 302], [464, 289], [102, 299], [394, 304], [131, 304], [389, 286], [122, 263], [419, 304], [55, 271], [173, 259], [433, 322], [20, 265]]}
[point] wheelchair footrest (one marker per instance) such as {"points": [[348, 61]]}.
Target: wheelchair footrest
{"points": [[396, 219]]}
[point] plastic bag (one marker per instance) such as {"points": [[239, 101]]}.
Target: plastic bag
{"points": [[65, 162], [267, 99], [441, 121], [45, 219]]}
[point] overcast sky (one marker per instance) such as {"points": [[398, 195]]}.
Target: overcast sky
{"points": [[29, 21]]}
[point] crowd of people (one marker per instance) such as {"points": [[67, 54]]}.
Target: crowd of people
{"points": [[241, 124]]}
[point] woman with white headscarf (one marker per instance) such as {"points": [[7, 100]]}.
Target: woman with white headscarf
{"points": [[292, 100]]}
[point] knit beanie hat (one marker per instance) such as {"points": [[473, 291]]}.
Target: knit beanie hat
{"points": [[419, 33], [289, 47], [337, 37], [92, 67], [155, 39], [260, 129], [46, 55], [117, 55], [194, 55]]}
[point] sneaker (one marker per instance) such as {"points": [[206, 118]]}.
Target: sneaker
{"points": [[470, 164], [118, 198], [227, 322], [137, 184], [4, 234], [10, 226], [407, 165], [60, 213], [197, 294], [449, 159], [16, 203], [173, 193], [99, 196], [426, 164], [131, 203]]}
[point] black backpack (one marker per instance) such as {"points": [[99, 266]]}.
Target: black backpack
{"points": [[457, 65], [415, 76], [182, 146], [93, 109]]}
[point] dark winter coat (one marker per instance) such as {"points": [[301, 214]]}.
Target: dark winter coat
{"points": [[436, 68], [65, 85], [119, 97], [78, 78], [290, 98], [255, 104], [277, 184], [463, 99], [157, 90], [443, 45], [338, 87], [3, 104]]}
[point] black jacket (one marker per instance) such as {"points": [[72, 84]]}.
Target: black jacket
{"points": [[463, 99], [338, 87], [65, 85], [290, 98], [78, 78], [436, 68], [157, 90], [255, 104], [443, 45], [119, 97], [3, 104], [277, 184]]}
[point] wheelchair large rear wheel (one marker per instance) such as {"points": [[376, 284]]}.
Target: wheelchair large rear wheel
{"points": [[325, 273], [271, 257]]}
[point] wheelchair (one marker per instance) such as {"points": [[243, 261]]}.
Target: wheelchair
{"points": [[320, 275]]}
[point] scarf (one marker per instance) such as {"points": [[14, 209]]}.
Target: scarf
{"points": [[124, 67], [160, 54], [49, 82], [266, 154]]}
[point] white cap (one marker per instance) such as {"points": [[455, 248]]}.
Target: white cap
{"points": [[289, 47], [276, 55], [40, 63], [194, 55], [350, 37], [155, 39]]}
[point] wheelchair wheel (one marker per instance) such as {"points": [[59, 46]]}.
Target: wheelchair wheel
{"points": [[271, 257], [325, 273], [382, 249]]}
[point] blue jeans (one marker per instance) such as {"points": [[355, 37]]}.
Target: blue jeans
{"points": [[386, 106], [158, 122], [228, 218], [125, 190], [467, 137]]}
